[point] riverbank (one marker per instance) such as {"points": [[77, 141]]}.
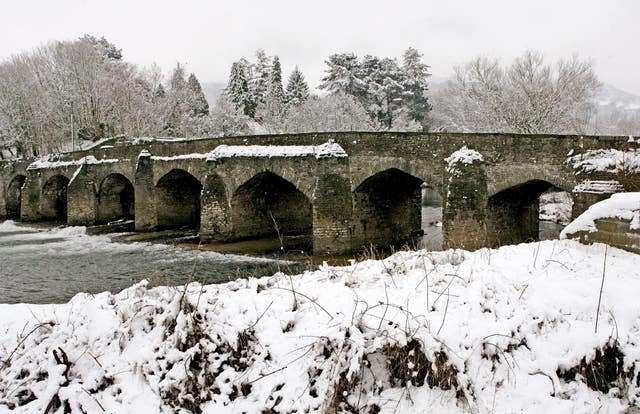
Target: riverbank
{"points": [[504, 330]]}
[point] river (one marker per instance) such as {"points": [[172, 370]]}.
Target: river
{"points": [[44, 264], [49, 264]]}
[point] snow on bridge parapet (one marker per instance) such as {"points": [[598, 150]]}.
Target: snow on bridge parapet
{"points": [[326, 150], [599, 187], [47, 162]]}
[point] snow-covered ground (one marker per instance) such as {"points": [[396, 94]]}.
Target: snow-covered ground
{"points": [[493, 331]]}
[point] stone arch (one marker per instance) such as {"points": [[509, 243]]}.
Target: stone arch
{"points": [[115, 199], [517, 178], [53, 204], [387, 208], [513, 213], [14, 196], [178, 200], [266, 205]]}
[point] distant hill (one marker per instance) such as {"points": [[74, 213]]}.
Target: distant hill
{"points": [[611, 99], [212, 90]]}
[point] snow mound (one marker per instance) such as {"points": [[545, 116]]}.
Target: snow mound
{"points": [[462, 156], [606, 160], [508, 330], [624, 206]]}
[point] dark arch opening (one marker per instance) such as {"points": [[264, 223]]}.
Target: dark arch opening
{"points": [[268, 205], [14, 196], [54, 199], [115, 199], [388, 209], [178, 200], [513, 215]]}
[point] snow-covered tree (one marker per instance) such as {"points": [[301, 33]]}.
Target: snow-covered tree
{"points": [[415, 74], [383, 96], [259, 77], [335, 112], [199, 104], [226, 118], [529, 96], [274, 107], [297, 88], [238, 89], [67, 91], [275, 91], [343, 75]]}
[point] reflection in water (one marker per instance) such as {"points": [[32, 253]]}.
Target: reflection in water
{"points": [[432, 226], [47, 265]]}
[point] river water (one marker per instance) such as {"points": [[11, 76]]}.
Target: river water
{"points": [[47, 264], [44, 264]]}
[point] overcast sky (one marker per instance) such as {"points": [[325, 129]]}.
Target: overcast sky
{"points": [[209, 35]]}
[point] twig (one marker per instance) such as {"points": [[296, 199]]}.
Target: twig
{"points": [[314, 302], [604, 268], [261, 315], [538, 372], [445, 312], [94, 399], [535, 259], [40, 325], [386, 308], [295, 299]]}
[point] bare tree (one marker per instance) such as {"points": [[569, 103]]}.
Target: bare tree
{"points": [[529, 96]]}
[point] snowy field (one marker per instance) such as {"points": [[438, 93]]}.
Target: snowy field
{"points": [[493, 331]]}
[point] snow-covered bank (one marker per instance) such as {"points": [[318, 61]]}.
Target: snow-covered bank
{"points": [[624, 206], [491, 331]]}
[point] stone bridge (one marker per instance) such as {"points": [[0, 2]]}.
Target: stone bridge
{"points": [[344, 190]]}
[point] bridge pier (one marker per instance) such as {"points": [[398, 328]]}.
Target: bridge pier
{"points": [[146, 216], [215, 212], [30, 203], [464, 212], [82, 209], [332, 215]]}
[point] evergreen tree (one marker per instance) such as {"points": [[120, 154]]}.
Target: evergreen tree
{"points": [[177, 103], [297, 88], [343, 75], [383, 95], [275, 91], [238, 89], [259, 80], [108, 49], [274, 107], [415, 85], [159, 93], [177, 83], [199, 104]]}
